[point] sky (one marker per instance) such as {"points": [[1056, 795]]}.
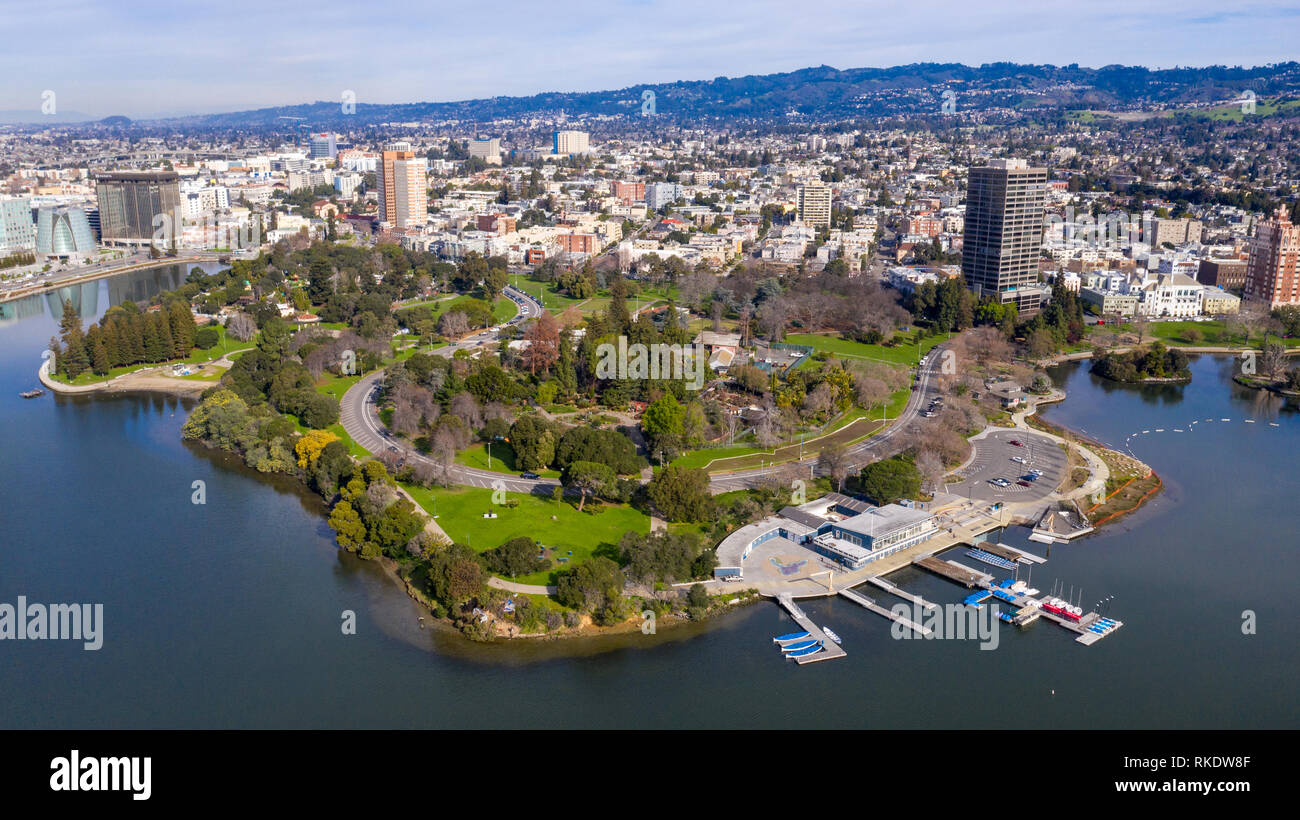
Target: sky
{"points": [[145, 58]]}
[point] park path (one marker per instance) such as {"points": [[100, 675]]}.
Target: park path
{"points": [[522, 589]]}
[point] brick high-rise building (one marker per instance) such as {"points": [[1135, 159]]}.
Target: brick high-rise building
{"points": [[1272, 277], [577, 242], [401, 180], [629, 192], [1004, 232], [1224, 273]]}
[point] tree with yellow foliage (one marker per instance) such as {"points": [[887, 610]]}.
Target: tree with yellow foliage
{"points": [[310, 445]]}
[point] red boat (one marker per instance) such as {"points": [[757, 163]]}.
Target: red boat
{"points": [[1058, 607]]}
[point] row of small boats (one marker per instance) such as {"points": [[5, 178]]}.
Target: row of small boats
{"points": [[799, 644]]}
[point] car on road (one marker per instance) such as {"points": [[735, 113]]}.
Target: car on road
{"points": [[529, 475], [1017, 442]]}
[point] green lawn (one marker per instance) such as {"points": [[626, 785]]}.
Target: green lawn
{"points": [[503, 459], [853, 426], [460, 514], [554, 301], [904, 354], [1211, 333]]}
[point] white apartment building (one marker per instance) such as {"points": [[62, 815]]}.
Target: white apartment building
{"points": [[659, 194], [571, 142], [205, 201], [346, 184], [1172, 295]]}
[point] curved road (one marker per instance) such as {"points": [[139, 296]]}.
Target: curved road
{"points": [[359, 416]]}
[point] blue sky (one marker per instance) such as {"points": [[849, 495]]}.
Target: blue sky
{"points": [[150, 58]]}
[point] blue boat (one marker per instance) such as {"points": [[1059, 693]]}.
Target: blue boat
{"points": [[793, 636], [794, 647], [812, 650]]}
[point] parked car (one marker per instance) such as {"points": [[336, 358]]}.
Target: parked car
{"points": [[1017, 442], [1018, 459], [1023, 483]]}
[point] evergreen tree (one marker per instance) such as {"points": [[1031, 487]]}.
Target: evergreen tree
{"points": [[99, 358], [72, 357], [182, 328], [619, 318]]}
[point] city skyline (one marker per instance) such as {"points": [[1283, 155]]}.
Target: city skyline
{"points": [[305, 58]]}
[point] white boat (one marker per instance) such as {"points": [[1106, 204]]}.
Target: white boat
{"points": [[831, 634]]}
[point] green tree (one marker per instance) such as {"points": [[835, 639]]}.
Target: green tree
{"points": [[663, 422], [347, 525], [588, 478], [888, 481], [274, 341], [596, 586], [682, 494]]}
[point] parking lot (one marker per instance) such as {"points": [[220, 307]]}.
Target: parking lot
{"points": [[995, 458]]}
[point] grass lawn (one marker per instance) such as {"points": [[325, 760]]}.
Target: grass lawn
{"points": [[904, 354], [854, 426], [1213, 333], [554, 301], [503, 459], [460, 514]]}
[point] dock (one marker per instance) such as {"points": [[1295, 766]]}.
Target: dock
{"points": [[1027, 613], [901, 593], [1008, 551], [831, 650], [953, 571], [864, 601]]}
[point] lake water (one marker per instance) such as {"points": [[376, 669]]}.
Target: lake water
{"points": [[228, 614]]}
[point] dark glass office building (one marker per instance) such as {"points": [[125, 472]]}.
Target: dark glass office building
{"points": [[1004, 232], [130, 200]]}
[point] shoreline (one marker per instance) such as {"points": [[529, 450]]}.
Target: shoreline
{"points": [[145, 380], [28, 291]]}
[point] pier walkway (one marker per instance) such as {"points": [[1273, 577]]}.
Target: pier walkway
{"points": [[831, 650], [901, 593], [864, 601], [953, 571]]}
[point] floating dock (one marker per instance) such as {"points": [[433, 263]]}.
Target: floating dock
{"points": [[991, 559], [953, 571], [907, 596], [864, 601], [830, 650], [1009, 553], [1028, 609]]}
